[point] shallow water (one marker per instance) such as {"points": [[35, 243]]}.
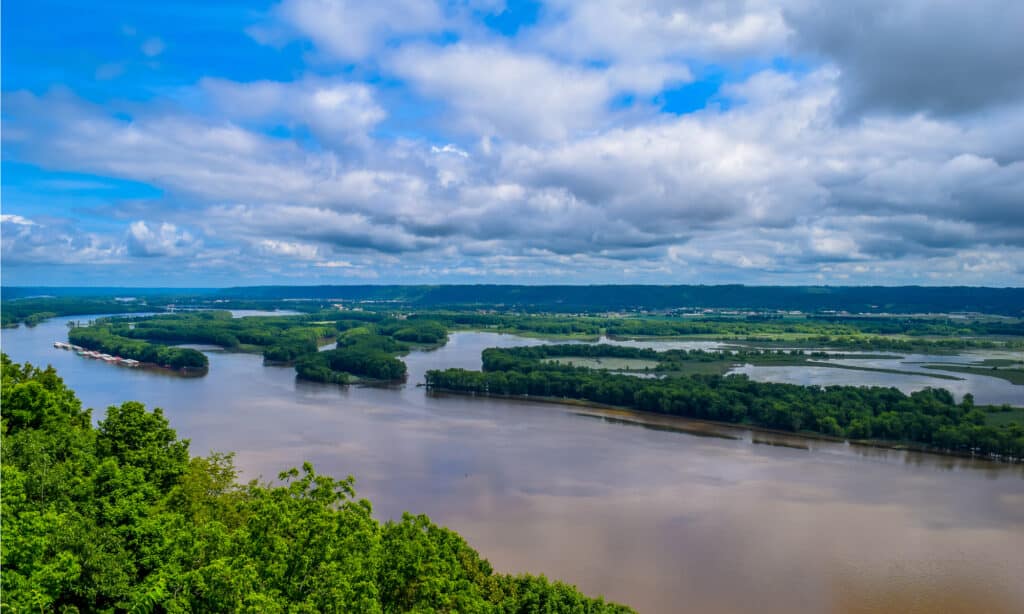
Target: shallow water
{"points": [[986, 390], [659, 518]]}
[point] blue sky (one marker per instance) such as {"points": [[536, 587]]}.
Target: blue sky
{"points": [[412, 141]]}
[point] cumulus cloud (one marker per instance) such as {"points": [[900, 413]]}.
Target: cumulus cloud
{"points": [[146, 240], [337, 111], [497, 91], [28, 242], [349, 29], [16, 220], [644, 30], [288, 249]]}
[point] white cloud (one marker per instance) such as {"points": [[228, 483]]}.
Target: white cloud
{"points": [[335, 264], [165, 239], [646, 30], [348, 29], [449, 149], [497, 91], [26, 242], [10, 218], [337, 111], [288, 249]]}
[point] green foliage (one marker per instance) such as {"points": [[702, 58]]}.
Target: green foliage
{"points": [[118, 518], [314, 368], [415, 331], [102, 337], [360, 352], [929, 417]]}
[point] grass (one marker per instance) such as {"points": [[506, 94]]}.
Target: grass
{"points": [[1002, 362], [1014, 376], [606, 363], [697, 367], [881, 370], [720, 367], [1000, 418]]}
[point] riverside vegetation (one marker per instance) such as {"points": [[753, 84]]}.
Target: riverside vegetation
{"points": [[367, 342], [929, 417], [118, 517]]}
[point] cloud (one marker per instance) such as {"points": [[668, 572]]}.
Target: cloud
{"points": [[940, 57], [289, 249], [634, 31], [497, 91], [16, 220], [152, 240], [337, 111], [28, 243], [346, 29], [335, 264]]}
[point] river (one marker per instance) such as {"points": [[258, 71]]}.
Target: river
{"points": [[659, 519]]}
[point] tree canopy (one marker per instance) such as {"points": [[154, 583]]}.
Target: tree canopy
{"points": [[118, 517]]}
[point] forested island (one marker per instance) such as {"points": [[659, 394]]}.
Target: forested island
{"points": [[368, 343], [929, 417], [119, 517]]}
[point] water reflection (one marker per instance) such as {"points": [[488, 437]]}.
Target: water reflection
{"points": [[652, 517], [986, 390]]}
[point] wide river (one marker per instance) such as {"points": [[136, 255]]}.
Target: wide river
{"points": [[659, 518]]}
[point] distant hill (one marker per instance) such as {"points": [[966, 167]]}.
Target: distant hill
{"points": [[904, 299], [867, 299]]}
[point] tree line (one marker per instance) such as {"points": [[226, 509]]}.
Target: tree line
{"points": [[930, 417], [100, 338]]}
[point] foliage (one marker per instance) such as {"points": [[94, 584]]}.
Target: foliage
{"points": [[119, 518], [360, 352], [101, 338]]}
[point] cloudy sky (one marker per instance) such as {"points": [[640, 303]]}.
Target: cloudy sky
{"points": [[192, 143]]}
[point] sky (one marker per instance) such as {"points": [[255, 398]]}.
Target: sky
{"points": [[193, 143]]}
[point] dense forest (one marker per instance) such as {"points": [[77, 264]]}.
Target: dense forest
{"points": [[361, 351], [930, 417], [118, 517]]}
